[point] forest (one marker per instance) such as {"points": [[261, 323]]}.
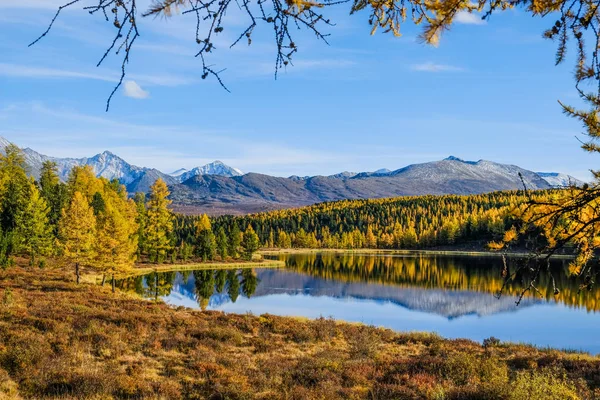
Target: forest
{"points": [[90, 222], [417, 222]]}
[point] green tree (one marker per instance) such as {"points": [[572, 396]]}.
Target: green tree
{"points": [[235, 241], [141, 219], [159, 222], [250, 242], [222, 243], [53, 192], [77, 232], [15, 187], [33, 233]]}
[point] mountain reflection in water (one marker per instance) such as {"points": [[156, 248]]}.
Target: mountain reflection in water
{"points": [[448, 294]]}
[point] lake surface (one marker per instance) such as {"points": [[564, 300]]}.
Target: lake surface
{"points": [[451, 295]]}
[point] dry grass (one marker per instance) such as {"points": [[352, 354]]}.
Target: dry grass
{"points": [[60, 340]]}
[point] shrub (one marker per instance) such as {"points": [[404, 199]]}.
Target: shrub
{"points": [[461, 368], [364, 342], [542, 385], [491, 342]]}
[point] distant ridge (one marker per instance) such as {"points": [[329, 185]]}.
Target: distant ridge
{"points": [[256, 192], [217, 188], [111, 166]]}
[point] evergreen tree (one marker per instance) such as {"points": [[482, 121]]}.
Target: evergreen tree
{"points": [[15, 187], [53, 192], [141, 219], [222, 243], [77, 232], [33, 233], [250, 242], [235, 241], [159, 222]]}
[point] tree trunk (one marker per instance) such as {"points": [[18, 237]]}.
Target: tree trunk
{"points": [[103, 279], [113, 283], [78, 277]]}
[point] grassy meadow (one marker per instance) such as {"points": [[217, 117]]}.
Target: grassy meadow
{"points": [[66, 341]]}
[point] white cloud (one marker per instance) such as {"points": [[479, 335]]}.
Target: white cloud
{"points": [[433, 67], [133, 90], [47, 4], [464, 17], [25, 71]]}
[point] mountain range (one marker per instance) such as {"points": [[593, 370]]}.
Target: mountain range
{"points": [[216, 188]]}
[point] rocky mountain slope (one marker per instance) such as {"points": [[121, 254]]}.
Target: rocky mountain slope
{"points": [[217, 188], [111, 166], [252, 192]]}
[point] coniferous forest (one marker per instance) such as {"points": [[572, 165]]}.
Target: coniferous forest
{"points": [[419, 222], [92, 222]]}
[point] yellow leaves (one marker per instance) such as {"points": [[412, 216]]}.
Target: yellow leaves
{"points": [[299, 6], [544, 7], [387, 14], [77, 230], [203, 224], [496, 246], [159, 223]]}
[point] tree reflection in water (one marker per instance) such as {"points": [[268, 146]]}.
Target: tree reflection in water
{"points": [[206, 283]]}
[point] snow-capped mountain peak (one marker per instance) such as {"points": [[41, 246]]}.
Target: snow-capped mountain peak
{"points": [[214, 168], [558, 180], [179, 172]]}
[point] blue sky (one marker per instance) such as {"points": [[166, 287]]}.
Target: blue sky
{"points": [[489, 91]]}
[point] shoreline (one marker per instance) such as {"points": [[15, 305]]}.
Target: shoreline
{"points": [[145, 270], [270, 252]]}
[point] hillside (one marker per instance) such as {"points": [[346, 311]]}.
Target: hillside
{"points": [[252, 192]]}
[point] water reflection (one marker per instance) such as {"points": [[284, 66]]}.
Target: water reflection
{"points": [[450, 295], [201, 286]]}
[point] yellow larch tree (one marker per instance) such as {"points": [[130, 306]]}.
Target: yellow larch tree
{"points": [[116, 243], [77, 232], [159, 222]]}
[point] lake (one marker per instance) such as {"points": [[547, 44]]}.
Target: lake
{"points": [[454, 296]]}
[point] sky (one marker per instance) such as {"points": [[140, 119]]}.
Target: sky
{"points": [[490, 91]]}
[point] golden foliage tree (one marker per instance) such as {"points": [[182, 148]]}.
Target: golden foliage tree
{"points": [[77, 232], [159, 222], [116, 242]]}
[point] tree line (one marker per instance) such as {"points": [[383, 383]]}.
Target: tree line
{"points": [[89, 221], [393, 223]]}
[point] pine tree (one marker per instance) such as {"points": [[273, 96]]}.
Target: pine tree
{"points": [[250, 242], [235, 241], [33, 233], [222, 243], [159, 223], [15, 187], [53, 192], [77, 232], [142, 220]]}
